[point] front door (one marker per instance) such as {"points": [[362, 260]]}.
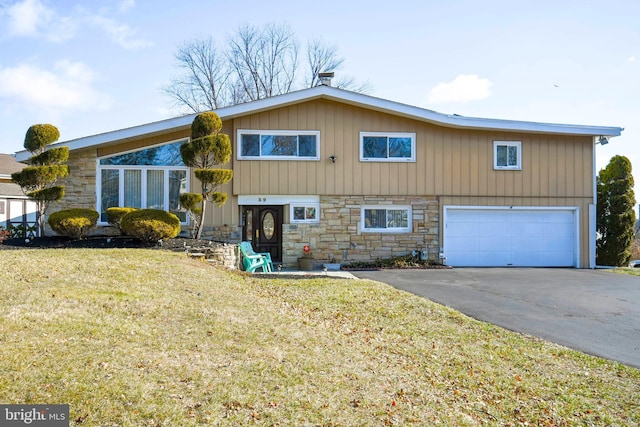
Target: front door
{"points": [[262, 226]]}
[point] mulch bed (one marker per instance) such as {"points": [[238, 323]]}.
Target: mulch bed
{"points": [[99, 242]]}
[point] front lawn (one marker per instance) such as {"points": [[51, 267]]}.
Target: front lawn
{"points": [[136, 337]]}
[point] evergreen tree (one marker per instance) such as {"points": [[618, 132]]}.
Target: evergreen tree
{"points": [[46, 167], [206, 149], [615, 212]]}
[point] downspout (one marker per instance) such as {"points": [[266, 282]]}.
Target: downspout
{"points": [[592, 213]]}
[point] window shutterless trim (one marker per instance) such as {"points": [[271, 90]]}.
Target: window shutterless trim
{"points": [[410, 135], [305, 206], [517, 144], [406, 229], [261, 133]]}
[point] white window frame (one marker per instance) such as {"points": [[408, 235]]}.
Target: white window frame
{"points": [[406, 229], [388, 135], [517, 144], [305, 206], [261, 133], [143, 169]]}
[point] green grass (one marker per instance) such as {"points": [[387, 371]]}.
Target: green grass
{"points": [[150, 338], [626, 270]]}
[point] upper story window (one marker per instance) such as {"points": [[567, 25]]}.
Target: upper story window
{"points": [[387, 147], [386, 219], [278, 145], [507, 155], [153, 177]]}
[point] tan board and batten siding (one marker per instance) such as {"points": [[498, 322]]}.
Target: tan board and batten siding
{"points": [[449, 161]]}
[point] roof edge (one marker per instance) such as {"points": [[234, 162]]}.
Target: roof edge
{"points": [[340, 95]]}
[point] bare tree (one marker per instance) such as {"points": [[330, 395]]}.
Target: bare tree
{"points": [[264, 60], [203, 84], [321, 57], [258, 62]]}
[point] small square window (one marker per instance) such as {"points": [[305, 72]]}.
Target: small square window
{"points": [[507, 155], [301, 213]]}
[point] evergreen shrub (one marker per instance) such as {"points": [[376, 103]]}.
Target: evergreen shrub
{"points": [[75, 223], [150, 225], [115, 215]]}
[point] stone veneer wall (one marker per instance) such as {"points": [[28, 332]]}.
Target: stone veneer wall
{"points": [[338, 231], [80, 185]]}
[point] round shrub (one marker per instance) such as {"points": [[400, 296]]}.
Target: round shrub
{"points": [[114, 216], [150, 225], [74, 223]]}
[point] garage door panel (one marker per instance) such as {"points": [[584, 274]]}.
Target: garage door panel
{"points": [[510, 237]]}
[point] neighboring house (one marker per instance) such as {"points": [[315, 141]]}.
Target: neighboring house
{"points": [[361, 178], [15, 208]]}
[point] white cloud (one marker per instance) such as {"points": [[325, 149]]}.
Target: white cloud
{"points": [[31, 18], [122, 34], [67, 86], [631, 59], [464, 88], [126, 5]]}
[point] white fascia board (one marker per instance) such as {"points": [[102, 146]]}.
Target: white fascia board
{"points": [[353, 98], [276, 199]]}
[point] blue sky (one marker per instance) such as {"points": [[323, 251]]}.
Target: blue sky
{"points": [[92, 67]]}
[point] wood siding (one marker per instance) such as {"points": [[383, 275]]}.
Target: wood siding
{"points": [[448, 161]]}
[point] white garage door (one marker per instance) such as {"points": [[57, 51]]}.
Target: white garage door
{"points": [[501, 237]]}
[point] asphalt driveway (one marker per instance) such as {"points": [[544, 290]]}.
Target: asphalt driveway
{"points": [[594, 311]]}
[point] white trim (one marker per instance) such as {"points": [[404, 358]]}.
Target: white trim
{"points": [[397, 230], [262, 132], [410, 135], [352, 98], [517, 144], [276, 199], [574, 209], [305, 206]]}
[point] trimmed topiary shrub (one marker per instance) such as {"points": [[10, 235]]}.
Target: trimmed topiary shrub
{"points": [[74, 223], [114, 216], [150, 225]]}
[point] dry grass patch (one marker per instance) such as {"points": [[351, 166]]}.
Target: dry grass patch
{"points": [[144, 337]]}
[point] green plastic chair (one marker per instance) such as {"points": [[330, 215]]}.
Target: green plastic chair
{"points": [[252, 260]]}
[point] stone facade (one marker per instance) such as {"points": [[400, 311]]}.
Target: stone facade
{"points": [[338, 233]]}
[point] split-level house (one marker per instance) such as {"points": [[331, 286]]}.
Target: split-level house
{"points": [[359, 178]]}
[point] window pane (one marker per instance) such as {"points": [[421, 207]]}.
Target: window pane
{"points": [[374, 147], [397, 218], [163, 155], [307, 146], [375, 218], [133, 188], [501, 155], [250, 145], [110, 191], [400, 147], [177, 185], [298, 212], [155, 189], [310, 213], [513, 156], [279, 145]]}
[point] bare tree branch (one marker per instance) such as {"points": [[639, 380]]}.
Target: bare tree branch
{"points": [[203, 83]]}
